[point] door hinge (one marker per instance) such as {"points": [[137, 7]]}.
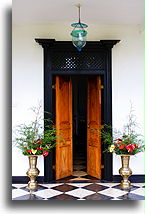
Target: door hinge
{"points": [[102, 166], [102, 126], [54, 86], [54, 167]]}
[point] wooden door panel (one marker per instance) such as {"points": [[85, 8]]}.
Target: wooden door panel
{"points": [[64, 125], [94, 122], [64, 169], [65, 128], [94, 159]]}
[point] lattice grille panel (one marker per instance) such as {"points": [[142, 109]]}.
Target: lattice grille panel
{"points": [[81, 61]]}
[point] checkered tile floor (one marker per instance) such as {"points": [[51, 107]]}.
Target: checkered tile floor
{"points": [[79, 190]]}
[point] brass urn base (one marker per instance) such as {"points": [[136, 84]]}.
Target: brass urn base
{"points": [[125, 172], [32, 185], [125, 184], [32, 173]]}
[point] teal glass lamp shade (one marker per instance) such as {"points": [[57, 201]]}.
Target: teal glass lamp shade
{"points": [[79, 35], [79, 25]]}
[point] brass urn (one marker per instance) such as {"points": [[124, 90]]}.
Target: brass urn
{"points": [[32, 172], [125, 172]]}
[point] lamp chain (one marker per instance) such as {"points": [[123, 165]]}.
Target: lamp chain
{"points": [[79, 6], [79, 14]]}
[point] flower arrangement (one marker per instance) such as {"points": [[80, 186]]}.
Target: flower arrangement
{"points": [[123, 146], [122, 143], [33, 139]]}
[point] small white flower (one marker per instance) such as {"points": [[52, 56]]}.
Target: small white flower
{"points": [[111, 148]]}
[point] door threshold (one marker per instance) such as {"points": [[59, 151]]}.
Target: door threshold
{"points": [[79, 173], [78, 179]]}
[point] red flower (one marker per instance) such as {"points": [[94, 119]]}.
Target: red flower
{"points": [[39, 141], [39, 148], [133, 146], [45, 153], [29, 151], [129, 148], [121, 147]]}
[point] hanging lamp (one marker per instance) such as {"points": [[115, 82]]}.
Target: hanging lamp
{"points": [[79, 33]]}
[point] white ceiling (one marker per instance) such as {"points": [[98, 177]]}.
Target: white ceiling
{"points": [[64, 11]]}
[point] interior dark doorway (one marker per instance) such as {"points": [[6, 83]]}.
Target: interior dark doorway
{"points": [[77, 111], [79, 89]]}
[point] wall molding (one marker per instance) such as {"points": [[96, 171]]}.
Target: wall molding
{"points": [[25, 179], [133, 178], [40, 179]]}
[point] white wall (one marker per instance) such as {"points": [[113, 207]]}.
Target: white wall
{"points": [[127, 77]]}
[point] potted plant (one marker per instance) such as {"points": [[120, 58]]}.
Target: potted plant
{"points": [[124, 143], [33, 140]]}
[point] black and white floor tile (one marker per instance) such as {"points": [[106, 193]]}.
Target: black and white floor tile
{"points": [[79, 190]]}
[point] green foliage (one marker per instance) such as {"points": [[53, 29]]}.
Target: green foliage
{"points": [[33, 139]]}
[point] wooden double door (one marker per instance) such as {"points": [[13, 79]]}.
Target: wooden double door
{"points": [[64, 123]]}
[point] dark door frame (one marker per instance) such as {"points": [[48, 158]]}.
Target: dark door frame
{"points": [[104, 49]]}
